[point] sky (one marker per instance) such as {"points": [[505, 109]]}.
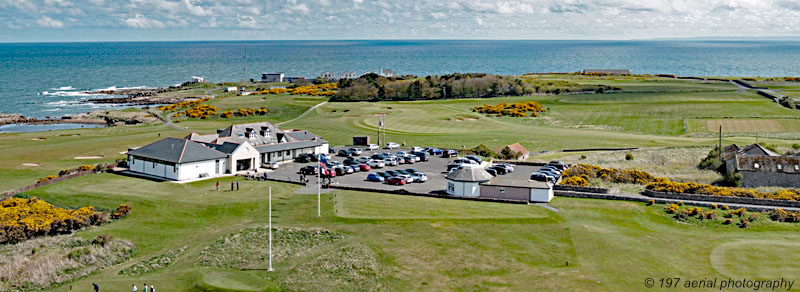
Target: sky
{"points": [[152, 20]]}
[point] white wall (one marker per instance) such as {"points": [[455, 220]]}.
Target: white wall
{"points": [[541, 195], [245, 151], [194, 169], [464, 189]]}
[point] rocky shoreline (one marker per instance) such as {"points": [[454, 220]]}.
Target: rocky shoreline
{"points": [[99, 117]]}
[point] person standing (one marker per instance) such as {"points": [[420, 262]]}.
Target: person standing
{"points": [[152, 288], [145, 288], [232, 184], [218, 186], [96, 287], [134, 288], [237, 185]]}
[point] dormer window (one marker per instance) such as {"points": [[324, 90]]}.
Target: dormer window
{"points": [[796, 167], [780, 167], [756, 166]]}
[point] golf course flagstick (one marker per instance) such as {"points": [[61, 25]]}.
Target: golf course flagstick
{"points": [[270, 229], [319, 186]]}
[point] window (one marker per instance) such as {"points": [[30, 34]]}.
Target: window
{"points": [[796, 167], [501, 189], [780, 167], [755, 165], [216, 170], [174, 168], [451, 187], [288, 152], [154, 164]]}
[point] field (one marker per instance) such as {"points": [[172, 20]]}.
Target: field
{"points": [[427, 244]]}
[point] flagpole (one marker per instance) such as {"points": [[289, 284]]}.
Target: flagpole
{"points": [[319, 187], [270, 229]]}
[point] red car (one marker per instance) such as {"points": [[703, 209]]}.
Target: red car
{"points": [[331, 173], [397, 180], [364, 167]]}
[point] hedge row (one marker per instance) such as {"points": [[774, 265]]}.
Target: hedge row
{"points": [[705, 189], [21, 219]]}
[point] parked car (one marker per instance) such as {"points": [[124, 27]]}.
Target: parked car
{"points": [[329, 173], [416, 149], [509, 167], [373, 146], [558, 164], [491, 171], [377, 156], [355, 168], [332, 150], [423, 156], [540, 177], [363, 160], [551, 173], [388, 154], [393, 173], [499, 169], [433, 151], [345, 153], [464, 161], [339, 170], [392, 145], [355, 151], [449, 153], [376, 163], [364, 167], [474, 158], [397, 180], [411, 170], [302, 158], [350, 161], [401, 154], [384, 174], [270, 165], [403, 172], [390, 162], [409, 159], [419, 177], [375, 177], [310, 169]]}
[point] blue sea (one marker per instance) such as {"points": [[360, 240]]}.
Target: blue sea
{"points": [[49, 79]]}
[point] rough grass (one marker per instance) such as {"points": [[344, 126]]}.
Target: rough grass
{"points": [[249, 248], [44, 262], [352, 267], [154, 263]]}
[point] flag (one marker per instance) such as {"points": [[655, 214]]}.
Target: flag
{"points": [[323, 169]]}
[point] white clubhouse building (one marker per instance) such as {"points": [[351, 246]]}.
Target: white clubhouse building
{"points": [[239, 148]]}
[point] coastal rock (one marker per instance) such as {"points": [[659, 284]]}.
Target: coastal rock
{"points": [[12, 119]]}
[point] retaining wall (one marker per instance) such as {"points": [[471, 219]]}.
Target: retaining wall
{"points": [[580, 189]]}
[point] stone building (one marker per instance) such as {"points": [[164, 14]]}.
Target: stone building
{"points": [[762, 167]]}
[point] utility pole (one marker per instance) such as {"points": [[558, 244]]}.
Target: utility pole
{"points": [[270, 229], [720, 142], [319, 191]]}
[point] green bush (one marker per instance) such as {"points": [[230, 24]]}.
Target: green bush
{"points": [[484, 151], [712, 161], [629, 156]]}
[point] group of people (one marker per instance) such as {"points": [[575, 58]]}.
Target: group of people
{"points": [[152, 288], [234, 183]]}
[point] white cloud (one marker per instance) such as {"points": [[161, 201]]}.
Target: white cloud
{"points": [[46, 21], [438, 15], [140, 21]]}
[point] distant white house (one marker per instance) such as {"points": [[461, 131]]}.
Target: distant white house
{"points": [[465, 181], [231, 89], [329, 75], [348, 75], [272, 77], [196, 79], [294, 79], [387, 73]]}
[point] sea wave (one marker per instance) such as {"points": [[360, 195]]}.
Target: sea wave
{"points": [[52, 110], [64, 88], [68, 93], [119, 88]]}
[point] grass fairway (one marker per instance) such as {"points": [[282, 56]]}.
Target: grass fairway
{"points": [[417, 243]]}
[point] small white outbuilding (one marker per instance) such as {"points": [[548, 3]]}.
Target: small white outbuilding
{"points": [[465, 181]]}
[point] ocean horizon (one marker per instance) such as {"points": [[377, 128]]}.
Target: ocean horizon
{"points": [[49, 79]]}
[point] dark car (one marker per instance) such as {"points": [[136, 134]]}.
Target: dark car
{"points": [[397, 180], [434, 151], [474, 158], [499, 169], [350, 162], [401, 171], [308, 170], [409, 159], [491, 171], [384, 174], [449, 153], [339, 170], [332, 150], [558, 164], [540, 177], [393, 173], [422, 156], [345, 153], [377, 157], [411, 170], [303, 158]]}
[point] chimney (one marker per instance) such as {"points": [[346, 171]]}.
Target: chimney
{"points": [[219, 131]]}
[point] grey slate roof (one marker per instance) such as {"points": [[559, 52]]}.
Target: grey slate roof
{"points": [[520, 183], [287, 146], [226, 147], [301, 135], [177, 150], [235, 133], [469, 173]]}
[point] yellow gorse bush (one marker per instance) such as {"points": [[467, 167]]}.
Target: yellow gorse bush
{"points": [[182, 104], [517, 109], [705, 189], [325, 89]]}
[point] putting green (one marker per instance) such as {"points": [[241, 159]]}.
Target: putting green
{"points": [[775, 258], [235, 281]]}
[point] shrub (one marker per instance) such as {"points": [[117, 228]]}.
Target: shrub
{"points": [[517, 109], [633, 176], [583, 156], [744, 224], [672, 209], [739, 212], [629, 156], [781, 215], [752, 217], [484, 151], [122, 211], [705, 189], [713, 206], [680, 203], [712, 161], [725, 207], [77, 253], [651, 202], [21, 219], [694, 211], [727, 221], [575, 181], [710, 215], [102, 240]]}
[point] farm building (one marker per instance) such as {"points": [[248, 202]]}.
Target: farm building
{"points": [[607, 71], [517, 189], [328, 75], [516, 150], [465, 181], [231, 89], [238, 148], [271, 77], [386, 73], [760, 166]]}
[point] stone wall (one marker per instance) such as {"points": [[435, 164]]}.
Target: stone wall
{"points": [[721, 199], [752, 179], [580, 189], [655, 200]]}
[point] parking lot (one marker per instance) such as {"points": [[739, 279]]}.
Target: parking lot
{"points": [[435, 169]]}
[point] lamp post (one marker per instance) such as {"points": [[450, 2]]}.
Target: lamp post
{"points": [[270, 229]]}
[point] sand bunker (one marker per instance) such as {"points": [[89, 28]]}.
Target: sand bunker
{"points": [[30, 164], [39, 139], [88, 157], [471, 119]]}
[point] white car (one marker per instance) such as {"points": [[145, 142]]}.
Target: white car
{"points": [[390, 161], [392, 145], [373, 146], [416, 149], [270, 165], [376, 163]]}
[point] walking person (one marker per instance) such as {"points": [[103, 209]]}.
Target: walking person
{"points": [[218, 186], [96, 287], [134, 288], [145, 288]]}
